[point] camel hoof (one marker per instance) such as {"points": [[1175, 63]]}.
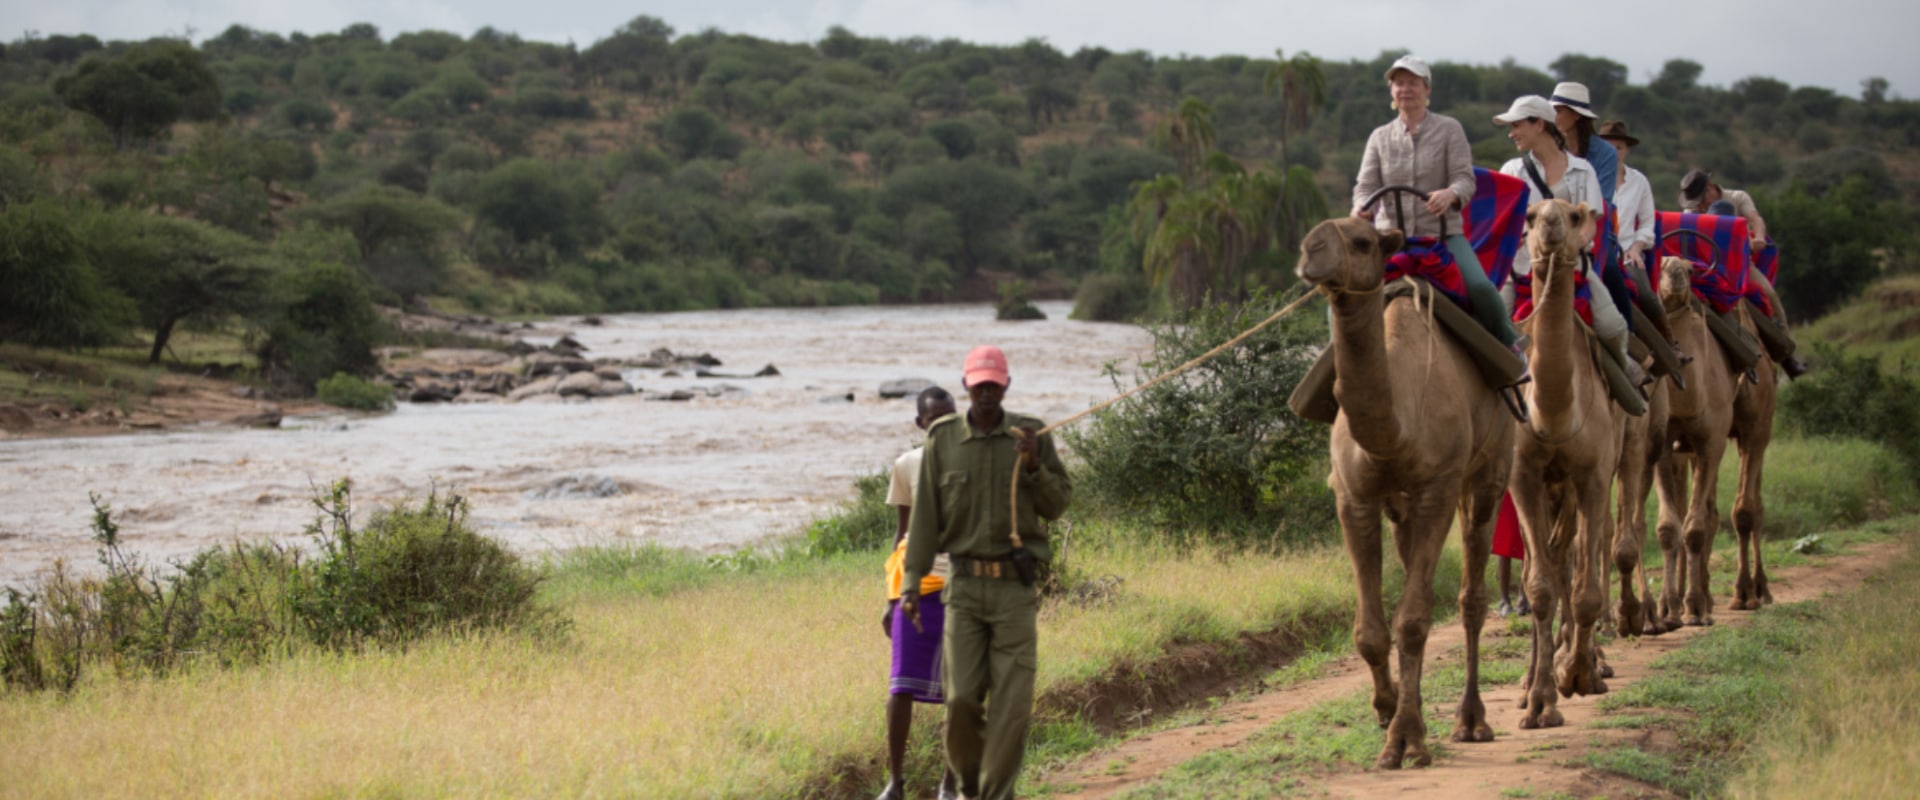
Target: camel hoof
{"points": [[1766, 597], [1741, 604], [1551, 718], [1467, 734], [1694, 621], [1390, 757], [1606, 670]]}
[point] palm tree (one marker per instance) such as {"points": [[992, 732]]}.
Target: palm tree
{"points": [[1302, 87], [1189, 134]]}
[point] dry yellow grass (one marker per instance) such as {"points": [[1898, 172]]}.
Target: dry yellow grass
{"points": [[738, 688]]}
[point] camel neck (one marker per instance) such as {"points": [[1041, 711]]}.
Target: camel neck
{"points": [[1364, 388], [1557, 346]]}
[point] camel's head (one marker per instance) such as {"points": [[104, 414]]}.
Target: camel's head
{"points": [[1676, 283], [1560, 229], [1347, 254]]}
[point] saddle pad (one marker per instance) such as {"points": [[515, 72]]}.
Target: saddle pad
{"points": [[1719, 282], [1496, 221]]}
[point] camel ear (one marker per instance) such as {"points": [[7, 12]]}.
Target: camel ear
{"points": [[1391, 242]]}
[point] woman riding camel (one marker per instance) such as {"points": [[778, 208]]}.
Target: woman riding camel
{"points": [[1633, 202], [1429, 152], [1553, 173], [1573, 114]]}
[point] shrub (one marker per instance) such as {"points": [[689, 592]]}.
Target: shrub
{"points": [[1850, 397], [322, 322], [1215, 449], [1015, 303], [410, 572], [865, 522], [1111, 297], [353, 391]]}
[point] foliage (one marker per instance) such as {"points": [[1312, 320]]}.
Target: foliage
{"points": [[1831, 245], [1208, 449], [1849, 396], [352, 391], [177, 270], [1016, 302], [401, 237], [50, 293], [865, 522], [411, 571], [1108, 297], [321, 322], [139, 94]]}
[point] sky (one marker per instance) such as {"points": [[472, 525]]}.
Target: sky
{"points": [[1831, 43]]}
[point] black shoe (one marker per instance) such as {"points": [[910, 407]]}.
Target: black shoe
{"points": [[1794, 367]]}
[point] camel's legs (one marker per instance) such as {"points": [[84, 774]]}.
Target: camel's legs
{"points": [[1630, 538], [1702, 523], [1671, 481], [1360, 522], [1477, 513], [1579, 669], [1529, 499], [1749, 511], [1420, 536]]}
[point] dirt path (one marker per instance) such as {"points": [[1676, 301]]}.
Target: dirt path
{"points": [[1541, 761]]}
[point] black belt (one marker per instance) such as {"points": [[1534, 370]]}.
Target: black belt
{"points": [[1001, 568]]}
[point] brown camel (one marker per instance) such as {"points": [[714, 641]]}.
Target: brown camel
{"points": [[1419, 437], [1719, 402], [1563, 467]]}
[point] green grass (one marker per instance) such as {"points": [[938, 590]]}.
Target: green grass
{"points": [[1725, 696], [1883, 323]]}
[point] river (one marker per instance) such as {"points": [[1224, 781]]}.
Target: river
{"points": [[712, 474]]}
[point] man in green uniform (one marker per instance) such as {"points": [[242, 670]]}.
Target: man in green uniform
{"points": [[961, 507]]}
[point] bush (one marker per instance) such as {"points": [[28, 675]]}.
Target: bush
{"points": [[1015, 303], [353, 391], [1850, 397], [864, 523], [410, 572], [1215, 449], [1804, 495], [1111, 297], [322, 322]]}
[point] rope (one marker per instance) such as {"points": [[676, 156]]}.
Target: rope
{"points": [[1013, 493]]}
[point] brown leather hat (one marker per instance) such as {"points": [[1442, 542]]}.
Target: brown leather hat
{"points": [[1694, 185], [1615, 129]]}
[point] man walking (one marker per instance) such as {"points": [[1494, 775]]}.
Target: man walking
{"points": [[961, 507]]}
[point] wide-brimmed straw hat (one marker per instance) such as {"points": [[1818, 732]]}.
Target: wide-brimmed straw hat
{"points": [[1615, 130], [1532, 106], [1575, 96]]}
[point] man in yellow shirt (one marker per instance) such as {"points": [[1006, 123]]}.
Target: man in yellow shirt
{"points": [[916, 648]]}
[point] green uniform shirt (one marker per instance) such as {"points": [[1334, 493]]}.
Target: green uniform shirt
{"points": [[960, 505]]}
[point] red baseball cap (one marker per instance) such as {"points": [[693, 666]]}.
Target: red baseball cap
{"points": [[986, 364]]}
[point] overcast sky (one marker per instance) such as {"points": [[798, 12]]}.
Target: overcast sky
{"points": [[1832, 43]]}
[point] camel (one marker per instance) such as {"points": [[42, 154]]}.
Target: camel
{"points": [[1419, 436], [1717, 404], [1563, 467]]}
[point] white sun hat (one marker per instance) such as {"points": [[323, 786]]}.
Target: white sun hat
{"points": [[1574, 96], [1532, 106]]}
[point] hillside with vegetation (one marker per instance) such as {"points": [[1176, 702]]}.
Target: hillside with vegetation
{"points": [[274, 185]]}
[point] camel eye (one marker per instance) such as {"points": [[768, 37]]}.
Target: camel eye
{"points": [[1579, 218], [1530, 216], [1361, 243]]}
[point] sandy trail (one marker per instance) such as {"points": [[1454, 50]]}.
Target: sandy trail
{"points": [[1542, 761]]}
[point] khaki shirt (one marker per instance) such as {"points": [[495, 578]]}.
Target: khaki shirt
{"points": [[1438, 158], [960, 503]]}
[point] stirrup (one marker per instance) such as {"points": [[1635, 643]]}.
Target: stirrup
{"points": [[1517, 403]]}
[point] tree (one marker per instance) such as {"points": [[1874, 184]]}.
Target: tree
{"points": [[400, 236], [1832, 243], [176, 270], [1302, 86], [694, 132], [49, 292], [1188, 135], [320, 321], [139, 95], [533, 202], [984, 200], [1677, 76]]}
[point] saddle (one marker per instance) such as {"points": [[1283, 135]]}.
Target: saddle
{"points": [[1313, 398]]}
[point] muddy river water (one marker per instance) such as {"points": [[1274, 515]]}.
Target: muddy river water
{"points": [[713, 474]]}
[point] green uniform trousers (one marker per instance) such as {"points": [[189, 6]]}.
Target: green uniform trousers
{"points": [[991, 651]]}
